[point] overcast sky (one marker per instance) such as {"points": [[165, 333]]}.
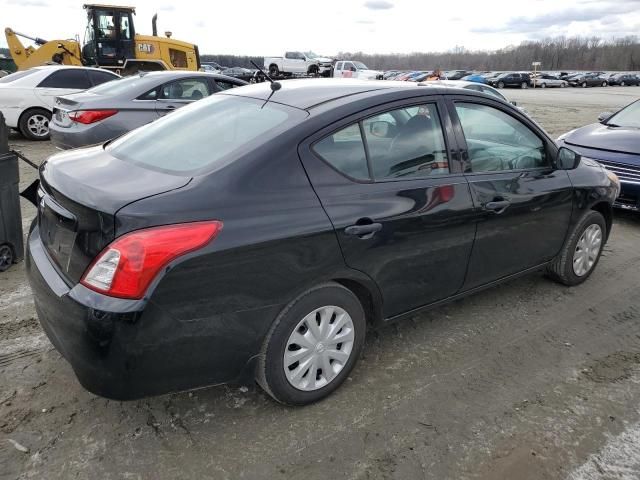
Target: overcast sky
{"points": [[269, 27]]}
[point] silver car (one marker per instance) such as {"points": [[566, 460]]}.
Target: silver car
{"points": [[114, 108], [544, 81]]}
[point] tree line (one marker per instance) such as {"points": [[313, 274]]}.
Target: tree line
{"points": [[558, 53]]}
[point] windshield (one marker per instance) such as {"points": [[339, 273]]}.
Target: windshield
{"points": [[360, 66], [206, 135], [311, 54], [17, 76], [629, 116]]}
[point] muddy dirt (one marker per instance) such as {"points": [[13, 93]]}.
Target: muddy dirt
{"points": [[528, 380]]}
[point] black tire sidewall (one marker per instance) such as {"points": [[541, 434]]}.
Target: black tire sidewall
{"points": [[272, 361], [24, 118], [587, 220]]}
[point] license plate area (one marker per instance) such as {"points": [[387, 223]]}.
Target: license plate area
{"points": [[61, 117], [58, 228]]}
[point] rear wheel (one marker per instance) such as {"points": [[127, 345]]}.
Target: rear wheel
{"points": [[581, 252], [6, 257], [500, 85], [543, 85], [273, 71], [583, 84], [312, 346], [622, 84], [605, 84], [563, 85], [34, 124], [524, 85]]}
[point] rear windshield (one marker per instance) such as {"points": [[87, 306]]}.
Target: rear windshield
{"points": [[17, 76], [206, 135], [118, 86]]}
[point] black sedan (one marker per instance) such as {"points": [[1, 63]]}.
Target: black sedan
{"points": [[259, 232], [588, 80], [624, 80], [519, 80], [615, 143]]}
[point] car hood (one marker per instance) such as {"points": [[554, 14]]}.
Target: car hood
{"points": [[603, 137]]}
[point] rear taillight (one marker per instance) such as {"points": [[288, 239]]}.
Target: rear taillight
{"points": [[127, 266], [91, 116]]}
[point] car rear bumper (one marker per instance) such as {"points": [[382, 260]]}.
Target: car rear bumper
{"points": [[80, 136], [123, 349]]}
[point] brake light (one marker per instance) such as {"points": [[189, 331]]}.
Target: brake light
{"points": [[91, 116], [127, 266]]}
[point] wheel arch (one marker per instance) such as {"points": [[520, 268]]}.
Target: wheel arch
{"points": [[367, 295], [606, 210]]}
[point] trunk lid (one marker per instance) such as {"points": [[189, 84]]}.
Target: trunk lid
{"points": [[80, 193]]}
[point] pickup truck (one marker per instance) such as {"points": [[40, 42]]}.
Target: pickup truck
{"points": [[353, 69], [298, 63]]}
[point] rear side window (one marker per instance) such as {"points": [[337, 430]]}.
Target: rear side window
{"points": [[222, 85], [497, 141], [344, 151], [71, 78], [206, 135], [98, 78], [186, 89]]}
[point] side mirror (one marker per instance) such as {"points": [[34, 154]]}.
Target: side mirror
{"points": [[379, 129], [567, 159], [603, 116]]}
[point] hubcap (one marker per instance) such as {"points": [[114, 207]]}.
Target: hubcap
{"points": [[587, 250], [38, 125], [319, 348], [6, 258]]}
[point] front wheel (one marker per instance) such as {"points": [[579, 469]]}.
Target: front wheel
{"points": [[584, 84], [581, 252], [500, 85], [543, 85], [605, 84], [312, 346], [524, 85], [313, 70], [6, 257], [622, 84], [273, 71]]}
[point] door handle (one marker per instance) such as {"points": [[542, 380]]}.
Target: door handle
{"points": [[497, 206], [363, 231]]}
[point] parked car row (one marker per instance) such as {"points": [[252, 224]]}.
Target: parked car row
{"points": [[78, 106]]}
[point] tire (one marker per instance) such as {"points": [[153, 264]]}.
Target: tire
{"points": [[500, 85], [313, 70], [583, 84], [524, 85], [273, 375], [562, 269], [273, 71], [543, 85], [34, 124], [6, 257], [622, 84], [605, 84], [563, 85]]}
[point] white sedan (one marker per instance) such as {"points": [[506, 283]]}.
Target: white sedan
{"points": [[27, 97]]}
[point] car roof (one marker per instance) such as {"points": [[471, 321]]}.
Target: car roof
{"points": [[308, 93]]}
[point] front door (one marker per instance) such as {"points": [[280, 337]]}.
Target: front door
{"points": [[522, 205], [176, 94], [399, 207]]}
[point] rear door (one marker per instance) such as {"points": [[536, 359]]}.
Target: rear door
{"points": [[176, 94], [390, 182], [522, 205]]}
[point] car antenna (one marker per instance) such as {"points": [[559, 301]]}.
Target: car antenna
{"points": [[275, 86]]}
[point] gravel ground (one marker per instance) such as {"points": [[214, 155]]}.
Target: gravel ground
{"points": [[529, 380]]}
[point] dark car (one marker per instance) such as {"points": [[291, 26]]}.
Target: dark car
{"points": [[615, 143], [520, 80], [114, 108], [259, 233], [588, 80], [242, 73], [624, 80]]}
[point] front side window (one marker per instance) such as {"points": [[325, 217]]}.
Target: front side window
{"points": [[497, 141], [69, 78], [186, 89]]}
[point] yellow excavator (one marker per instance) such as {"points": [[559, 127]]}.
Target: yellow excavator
{"points": [[111, 42]]}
